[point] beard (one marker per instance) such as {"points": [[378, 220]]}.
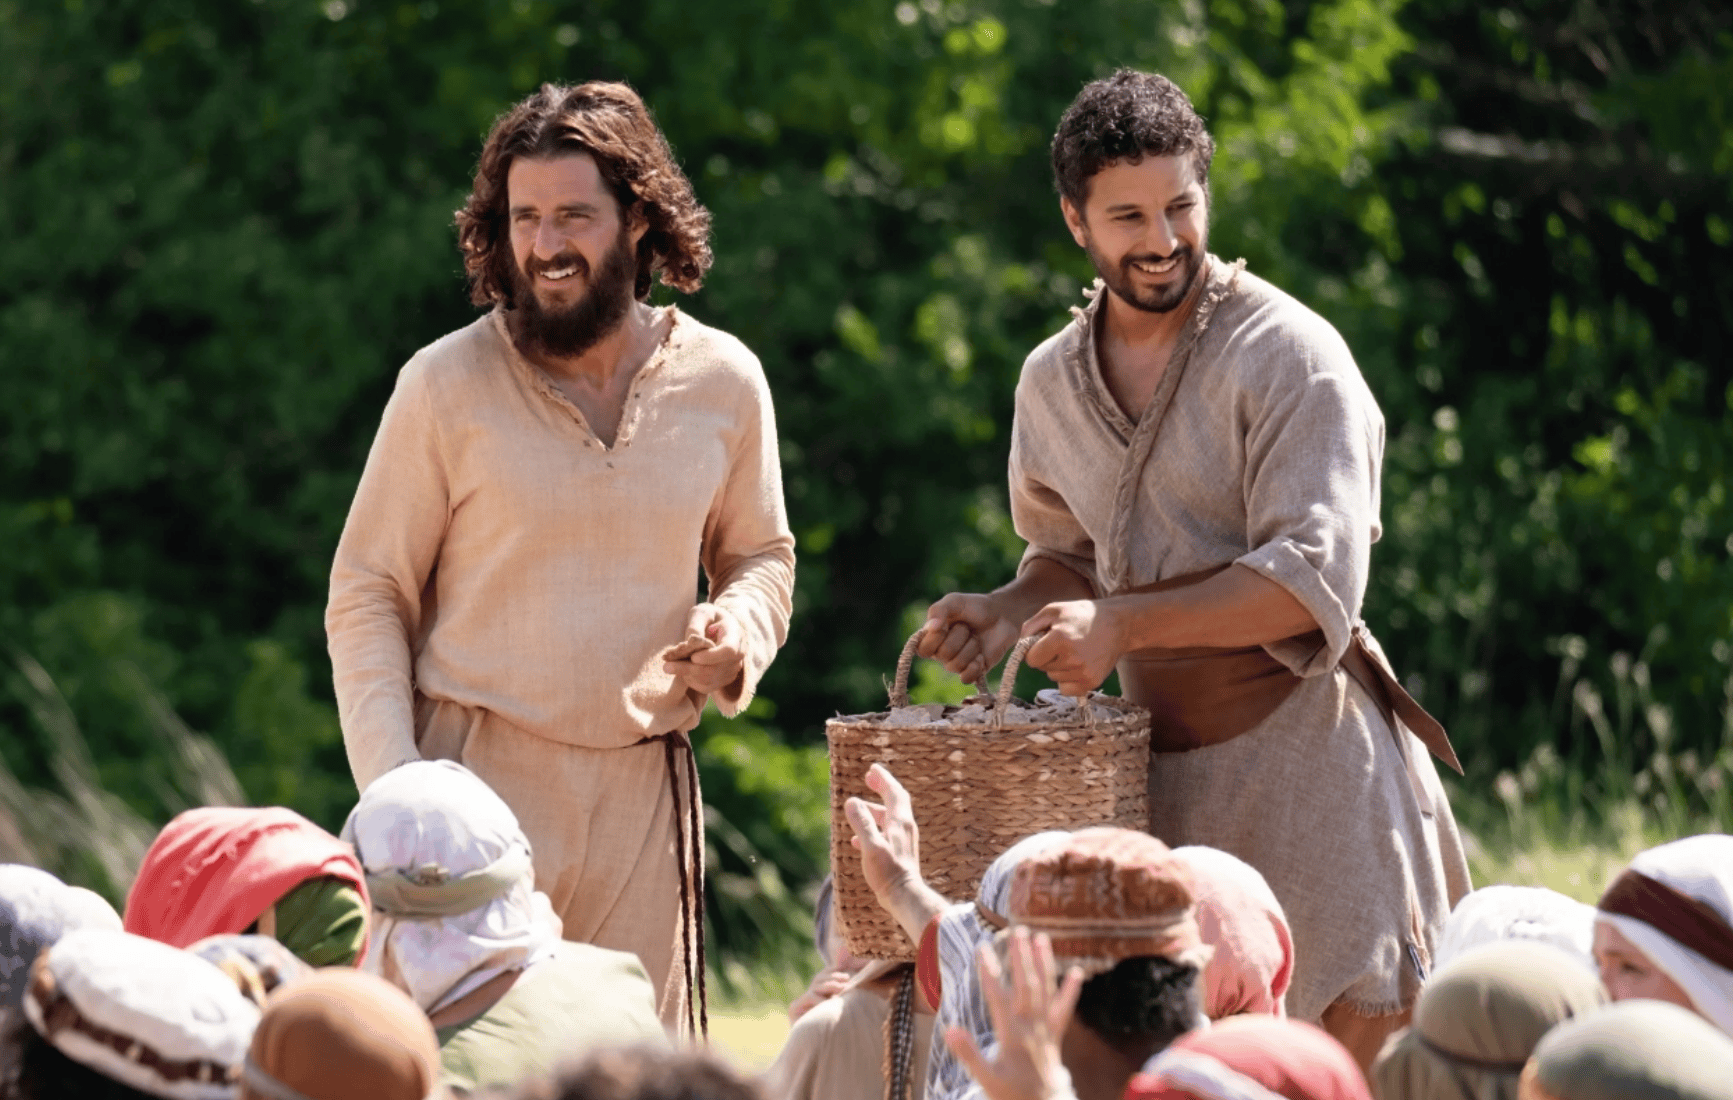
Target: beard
{"points": [[1119, 277], [566, 332]]}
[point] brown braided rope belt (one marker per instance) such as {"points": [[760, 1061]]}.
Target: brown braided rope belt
{"points": [[688, 824]]}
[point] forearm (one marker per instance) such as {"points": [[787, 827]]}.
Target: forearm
{"points": [[1234, 608], [758, 591], [1042, 581], [914, 905], [371, 667]]}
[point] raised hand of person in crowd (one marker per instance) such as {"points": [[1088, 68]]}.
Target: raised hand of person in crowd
{"points": [[889, 843], [1030, 1012], [712, 655], [1081, 642]]}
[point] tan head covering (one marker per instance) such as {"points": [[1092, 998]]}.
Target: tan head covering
{"points": [[1633, 1050], [1479, 1018], [341, 1035], [1105, 895]]}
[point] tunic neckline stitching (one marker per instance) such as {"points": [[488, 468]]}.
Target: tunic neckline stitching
{"points": [[629, 415], [1086, 358]]}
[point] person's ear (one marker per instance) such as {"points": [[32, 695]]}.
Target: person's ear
{"points": [[1074, 222], [637, 222]]}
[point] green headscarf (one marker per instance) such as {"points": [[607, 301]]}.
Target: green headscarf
{"points": [[1478, 1020], [323, 922], [1634, 1050]]}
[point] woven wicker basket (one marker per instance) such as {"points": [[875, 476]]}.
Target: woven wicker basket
{"points": [[979, 787]]}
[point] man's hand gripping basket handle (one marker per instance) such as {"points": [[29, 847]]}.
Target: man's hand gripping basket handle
{"points": [[1007, 679]]}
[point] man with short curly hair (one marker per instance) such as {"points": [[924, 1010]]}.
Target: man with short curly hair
{"points": [[515, 587], [1195, 468]]}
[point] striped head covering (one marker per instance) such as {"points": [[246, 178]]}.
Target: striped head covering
{"points": [[258, 965], [1479, 1018], [150, 1016], [948, 975], [1252, 1058], [1675, 903]]}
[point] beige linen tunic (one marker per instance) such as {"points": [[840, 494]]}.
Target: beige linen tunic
{"points": [[506, 585], [1269, 457], [837, 1051]]}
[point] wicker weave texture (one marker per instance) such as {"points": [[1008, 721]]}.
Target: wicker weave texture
{"points": [[976, 790]]}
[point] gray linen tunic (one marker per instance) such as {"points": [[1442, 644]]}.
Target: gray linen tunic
{"points": [[1269, 457]]}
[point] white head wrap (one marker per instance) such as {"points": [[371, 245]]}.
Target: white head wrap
{"points": [[1699, 867], [436, 816], [1495, 913], [131, 996], [36, 909], [961, 931]]}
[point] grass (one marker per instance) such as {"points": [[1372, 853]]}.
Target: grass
{"points": [[749, 1036], [1572, 824]]}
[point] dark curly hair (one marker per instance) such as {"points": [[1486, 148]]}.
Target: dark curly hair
{"points": [[611, 123], [1147, 1000], [1126, 117]]}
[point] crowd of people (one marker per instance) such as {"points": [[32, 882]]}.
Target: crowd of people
{"points": [[515, 906], [413, 956], [1177, 964]]}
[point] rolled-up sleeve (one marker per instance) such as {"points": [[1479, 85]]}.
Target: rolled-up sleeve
{"points": [[384, 560], [1311, 487], [748, 551]]}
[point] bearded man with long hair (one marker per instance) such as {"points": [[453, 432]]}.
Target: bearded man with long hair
{"points": [[1194, 466], [515, 586]]}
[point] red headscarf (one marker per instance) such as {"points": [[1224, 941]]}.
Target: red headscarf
{"points": [[213, 871], [1252, 1058]]}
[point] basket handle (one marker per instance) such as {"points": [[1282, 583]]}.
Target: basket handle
{"points": [[900, 686], [1007, 678]]}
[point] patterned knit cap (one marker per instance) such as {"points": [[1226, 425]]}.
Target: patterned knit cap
{"points": [[1105, 895]]}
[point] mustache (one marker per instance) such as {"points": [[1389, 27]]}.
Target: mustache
{"points": [[1182, 252], [534, 267]]}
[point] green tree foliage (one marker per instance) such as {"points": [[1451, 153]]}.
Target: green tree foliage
{"points": [[228, 223], [1558, 492]]}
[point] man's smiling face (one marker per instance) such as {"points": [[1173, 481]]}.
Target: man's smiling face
{"points": [[1146, 229], [573, 252]]}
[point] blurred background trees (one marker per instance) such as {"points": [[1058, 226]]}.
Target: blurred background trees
{"points": [[228, 223]]}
